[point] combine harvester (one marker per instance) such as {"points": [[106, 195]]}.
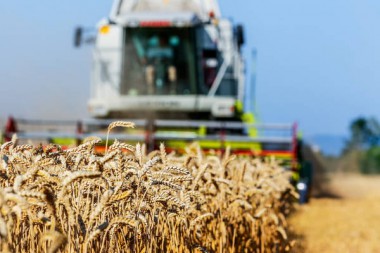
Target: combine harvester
{"points": [[175, 68]]}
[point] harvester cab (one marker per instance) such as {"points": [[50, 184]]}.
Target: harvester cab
{"points": [[169, 60]]}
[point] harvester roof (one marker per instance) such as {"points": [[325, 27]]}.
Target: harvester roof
{"points": [[186, 11], [158, 19]]}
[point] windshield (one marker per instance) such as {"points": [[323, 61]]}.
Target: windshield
{"points": [[159, 61]]}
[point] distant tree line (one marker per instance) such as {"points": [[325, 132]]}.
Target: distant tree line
{"points": [[365, 138]]}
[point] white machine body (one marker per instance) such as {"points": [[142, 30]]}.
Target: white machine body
{"points": [[173, 58]]}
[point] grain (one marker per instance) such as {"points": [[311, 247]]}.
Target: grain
{"points": [[79, 201]]}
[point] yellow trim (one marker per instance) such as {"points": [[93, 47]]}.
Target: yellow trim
{"points": [[296, 176], [249, 118], [215, 145], [239, 106], [202, 131], [64, 141]]}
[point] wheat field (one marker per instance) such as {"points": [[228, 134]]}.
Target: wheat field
{"points": [[129, 200]]}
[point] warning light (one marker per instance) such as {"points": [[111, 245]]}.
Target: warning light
{"points": [[104, 29]]}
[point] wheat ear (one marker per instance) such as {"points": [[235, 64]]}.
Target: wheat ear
{"points": [[118, 124]]}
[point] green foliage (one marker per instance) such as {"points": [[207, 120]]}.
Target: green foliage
{"points": [[370, 162], [365, 138], [365, 133]]}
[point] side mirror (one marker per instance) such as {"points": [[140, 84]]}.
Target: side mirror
{"points": [[78, 34], [240, 35]]}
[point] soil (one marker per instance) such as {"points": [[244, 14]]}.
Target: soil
{"points": [[344, 219]]}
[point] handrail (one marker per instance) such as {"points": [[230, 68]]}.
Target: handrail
{"points": [[160, 123], [218, 79], [220, 124], [69, 135], [93, 122], [214, 137]]}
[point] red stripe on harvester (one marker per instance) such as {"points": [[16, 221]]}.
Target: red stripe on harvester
{"points": [[155, 23]]}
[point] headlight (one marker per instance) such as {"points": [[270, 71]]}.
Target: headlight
{"points": [[301, 186]]}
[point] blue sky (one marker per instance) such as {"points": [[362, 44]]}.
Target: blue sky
{"points": [[318, 60]]}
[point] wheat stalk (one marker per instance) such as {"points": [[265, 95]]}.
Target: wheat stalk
{"points": [[54, 200]]}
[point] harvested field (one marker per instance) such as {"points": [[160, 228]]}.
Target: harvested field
{"points": [[345, 220], [75, 200]]}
